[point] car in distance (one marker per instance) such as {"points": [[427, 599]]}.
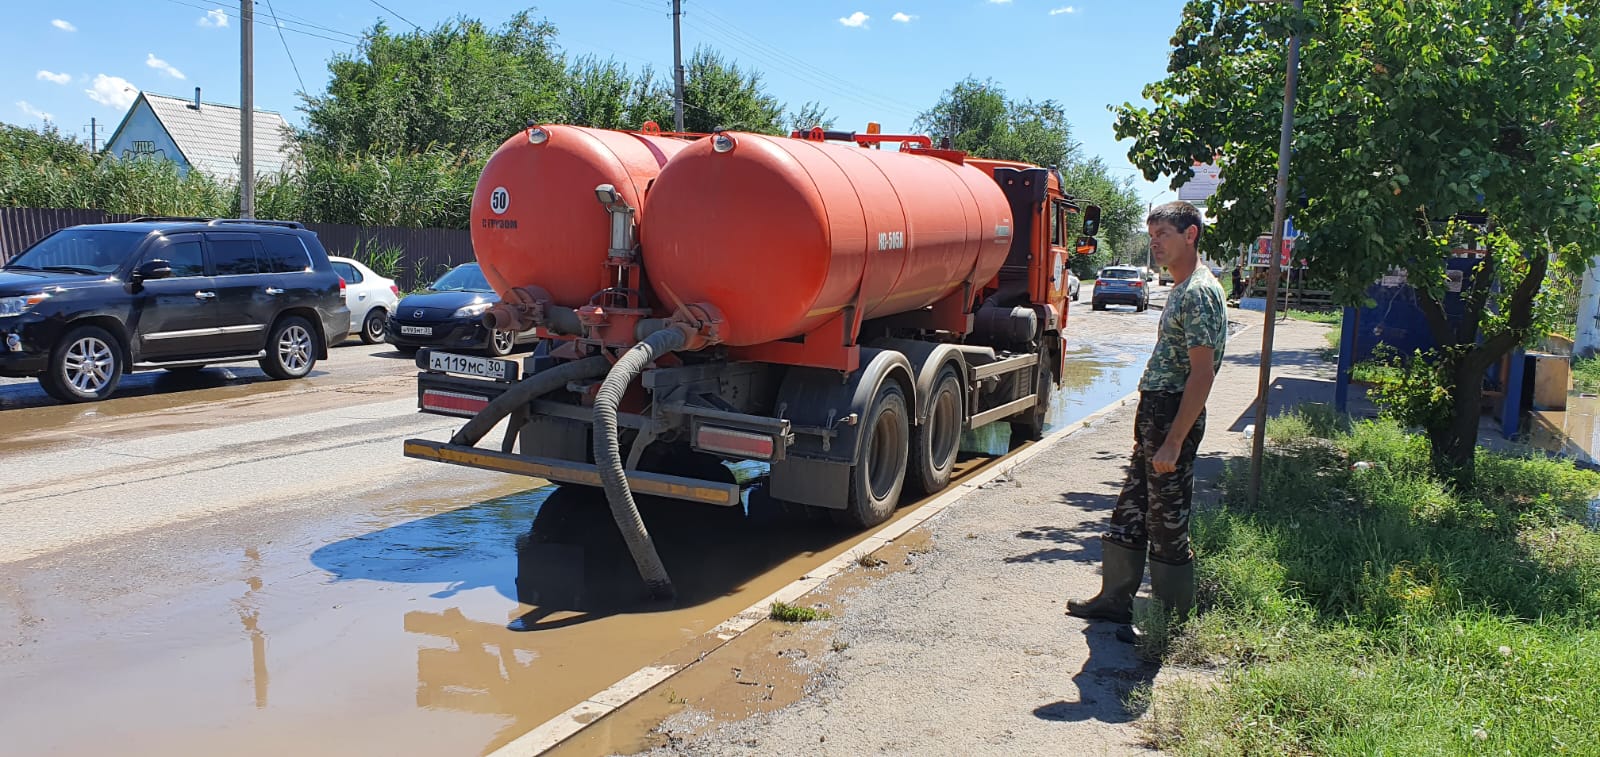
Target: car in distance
{"points": [[1120, 285], [448, 316], [370, 297], [87, 304]]}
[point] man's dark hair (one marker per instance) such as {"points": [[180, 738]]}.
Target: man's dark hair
{"points": [[1179, 215]]}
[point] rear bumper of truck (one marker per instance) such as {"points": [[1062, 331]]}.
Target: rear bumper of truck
{"points": [[569, 472]]}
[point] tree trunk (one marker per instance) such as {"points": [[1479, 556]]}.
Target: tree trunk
{"points": [[1454, 440]]}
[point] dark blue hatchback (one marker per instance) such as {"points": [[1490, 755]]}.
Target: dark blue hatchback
{"points": [[448, 316]]}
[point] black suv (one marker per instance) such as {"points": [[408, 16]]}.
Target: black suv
{"points": [[87, 304]]}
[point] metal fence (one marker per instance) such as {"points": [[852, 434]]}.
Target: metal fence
{"points": [[420, 255]]}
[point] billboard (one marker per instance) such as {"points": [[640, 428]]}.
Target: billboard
{"points": [[1259, 254], [1207, 177]]}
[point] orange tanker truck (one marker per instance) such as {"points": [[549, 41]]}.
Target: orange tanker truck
{"points": [[841, 314]]}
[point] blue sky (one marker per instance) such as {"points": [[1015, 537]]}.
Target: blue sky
{"points": [[865, 60]]}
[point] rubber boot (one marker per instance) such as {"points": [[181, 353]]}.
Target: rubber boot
{"points": [[1121, 570], [1173, 586]]}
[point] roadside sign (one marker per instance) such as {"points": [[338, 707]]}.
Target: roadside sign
{"points": [[1289, 231], [1259, 255]]}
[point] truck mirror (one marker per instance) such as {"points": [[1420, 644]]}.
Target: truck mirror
{"points": [[1091, 220], [1087, 245]]}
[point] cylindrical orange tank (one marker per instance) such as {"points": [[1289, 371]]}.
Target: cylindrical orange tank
{"points": [[535, 218], [783, 234]]}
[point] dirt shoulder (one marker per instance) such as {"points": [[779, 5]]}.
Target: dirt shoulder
{"points": [[958, 643]]}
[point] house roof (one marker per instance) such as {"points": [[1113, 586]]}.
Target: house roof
{"points": [[208, 137]]}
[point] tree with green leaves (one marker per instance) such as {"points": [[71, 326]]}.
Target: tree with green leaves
{"points": [[810, 115], [460, 85], [978, 118], [1421, 125], [720, 94]]}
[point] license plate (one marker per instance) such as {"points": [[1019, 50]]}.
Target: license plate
{"points": [[468, 365], [417, 330]]}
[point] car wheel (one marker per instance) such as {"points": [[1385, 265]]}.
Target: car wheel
{"points": [[86, 366], [501, 343], [1097, 305], [372, 328], [291, 349]]}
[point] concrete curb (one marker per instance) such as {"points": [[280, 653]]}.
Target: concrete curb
{"points": [[552, 732]]}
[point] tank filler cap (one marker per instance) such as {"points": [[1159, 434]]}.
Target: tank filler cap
{"points": [[723, 142], [538, 135]]}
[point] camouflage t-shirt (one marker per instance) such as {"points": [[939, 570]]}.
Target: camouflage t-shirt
{"points": [[1196, 316]]}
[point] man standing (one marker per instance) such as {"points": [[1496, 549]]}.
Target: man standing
{"points": [[1152, 513]]}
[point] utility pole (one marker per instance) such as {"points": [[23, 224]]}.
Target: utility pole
{"points": [[677, 66], [92, 135], [1274, 258], [247, 111]]}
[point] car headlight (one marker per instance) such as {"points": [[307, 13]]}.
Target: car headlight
{"points": [[473, 310], [10, 306]]}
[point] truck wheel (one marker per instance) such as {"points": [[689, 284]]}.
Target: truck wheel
{"points": [[879, 474], [291, 349], [85, 366], [1029, 424], [935, 444]]}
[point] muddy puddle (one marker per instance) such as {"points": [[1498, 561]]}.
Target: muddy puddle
{"points": [[421, 624]]}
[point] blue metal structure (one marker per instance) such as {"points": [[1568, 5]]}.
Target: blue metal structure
{"points": [[1396, 319]]}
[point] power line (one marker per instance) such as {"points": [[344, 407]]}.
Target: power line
{"points": [[811, 80], [786, 58], [396, 15], [285, 41], [235, 17]]}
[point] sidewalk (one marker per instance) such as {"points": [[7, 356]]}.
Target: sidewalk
{"points": [[960, 643]]}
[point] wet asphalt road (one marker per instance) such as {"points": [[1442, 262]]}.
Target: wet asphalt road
{"points": [[229, 564]]}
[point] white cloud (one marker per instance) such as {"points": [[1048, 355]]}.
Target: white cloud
{"points": [[855, 20], [902, 18], [63, 25], [163, 66], [114, 91], [33, 112], [52, 76], [1063, 9], [216, 18]]}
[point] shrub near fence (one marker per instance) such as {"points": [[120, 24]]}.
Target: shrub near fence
{"points": [[412, 257]]}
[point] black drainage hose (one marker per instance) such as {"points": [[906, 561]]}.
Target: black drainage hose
{"points": [[528, 390], [608, 456]]}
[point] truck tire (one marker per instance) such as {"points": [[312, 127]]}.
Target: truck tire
{"points": [[291, 349], [936, 443], [85, 366], [1030, 424], [882, 453]]}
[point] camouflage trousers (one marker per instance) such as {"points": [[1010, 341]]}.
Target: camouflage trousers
{"points": [[1153, 508]]}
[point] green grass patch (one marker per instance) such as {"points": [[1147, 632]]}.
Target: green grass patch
{"points": [[1330, 353], [796, 614], [1372, 610], [1330, 317], [1586, 375]]}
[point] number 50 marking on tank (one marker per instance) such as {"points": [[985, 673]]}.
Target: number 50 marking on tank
{"points": [[499, 200], [891, 240]]}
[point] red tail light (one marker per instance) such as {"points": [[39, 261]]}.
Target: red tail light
{"points": [[453, 403], [341, 285], [731, 442], [1138, 283], [395, 288]]}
